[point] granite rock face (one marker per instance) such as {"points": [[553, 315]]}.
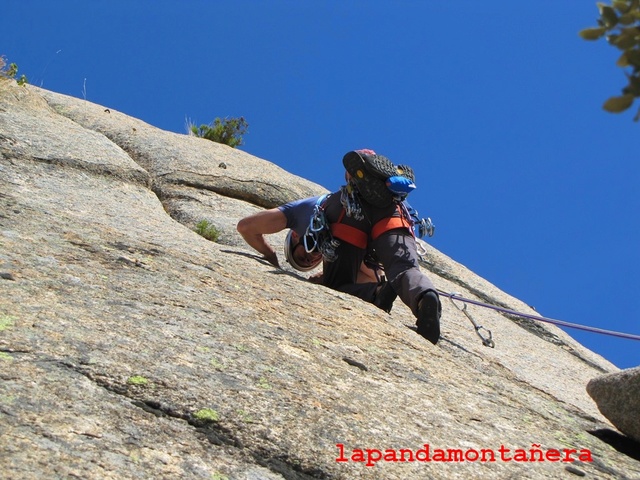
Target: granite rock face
{"points": [[618, 398], [131, 347]]}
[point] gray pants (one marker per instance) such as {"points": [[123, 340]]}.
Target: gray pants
{"points": [[395, 249]]}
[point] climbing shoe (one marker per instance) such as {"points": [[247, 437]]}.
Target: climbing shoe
{"points": [[428, 322], [369, 173], [385, 297], [407, 172]]}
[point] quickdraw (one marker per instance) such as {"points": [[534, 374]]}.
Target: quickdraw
{"points": [[487, 341], [560, 323], [350, 202], [425, 227]]}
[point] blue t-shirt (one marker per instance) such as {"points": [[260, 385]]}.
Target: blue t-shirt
{"points": [[298, 213]]}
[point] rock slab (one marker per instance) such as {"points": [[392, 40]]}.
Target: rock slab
{"points": [[131, 347]]}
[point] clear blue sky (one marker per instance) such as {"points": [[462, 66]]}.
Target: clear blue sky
{"points": [[496, 105]]}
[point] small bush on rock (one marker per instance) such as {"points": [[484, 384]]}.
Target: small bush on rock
{"points": [[11, 71], [207, 230], [206, 415], [228, 131]]}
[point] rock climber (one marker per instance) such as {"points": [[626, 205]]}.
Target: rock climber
{"points": [[341, 229]]}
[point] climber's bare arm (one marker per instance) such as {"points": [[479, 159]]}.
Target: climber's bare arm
{"points": [[254, 227]]}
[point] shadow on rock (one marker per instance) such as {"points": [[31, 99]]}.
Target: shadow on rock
{"points": [[621, 443]]}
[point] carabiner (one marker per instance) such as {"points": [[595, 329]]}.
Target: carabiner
{"points": [[487, 342]]}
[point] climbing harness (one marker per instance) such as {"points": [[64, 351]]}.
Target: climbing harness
{"points": [[391, 223], [562, 323], [487, 340], [325, 237]]}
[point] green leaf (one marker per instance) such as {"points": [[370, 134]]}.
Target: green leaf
{"points": [[621, 5], [593, 33], [609, 16], [618, 104], [631, 58], [634, 85], [626, 19], [628, 38], [623, 61]]}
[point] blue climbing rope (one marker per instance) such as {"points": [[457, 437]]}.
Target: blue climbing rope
{"points": [[562, 323]]}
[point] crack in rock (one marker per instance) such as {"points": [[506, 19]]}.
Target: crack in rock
{"points": [[211, 431]]}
